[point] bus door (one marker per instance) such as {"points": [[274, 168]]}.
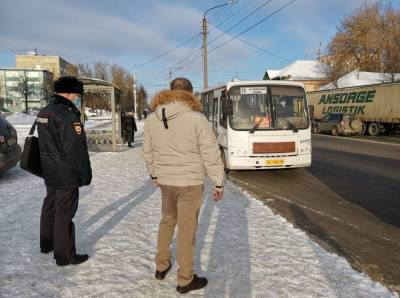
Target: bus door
{"points": [[215, 114]]}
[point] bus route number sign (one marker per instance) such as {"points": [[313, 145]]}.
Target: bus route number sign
{"points": [[253, 90]]}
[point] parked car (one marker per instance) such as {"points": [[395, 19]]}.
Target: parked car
{"points": [[338, 124], [33, 111], [4, 112], [10, 151]]}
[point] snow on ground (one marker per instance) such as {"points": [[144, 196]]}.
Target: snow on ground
{"points": [[23, 123], [21, 119], [243, 248]]}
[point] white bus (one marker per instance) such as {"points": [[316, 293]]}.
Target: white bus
{"points": [[260, 124]]}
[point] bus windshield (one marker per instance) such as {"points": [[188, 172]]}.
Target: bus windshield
{"points": [[269, 107]]}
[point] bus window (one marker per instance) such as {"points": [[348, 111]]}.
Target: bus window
{"points": [[249, 107], [290, 108]]}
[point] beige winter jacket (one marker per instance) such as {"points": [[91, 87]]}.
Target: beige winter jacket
{"points": [[181, 150]]}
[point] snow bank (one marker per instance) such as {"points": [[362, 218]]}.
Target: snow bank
{"points": [[243, 248], [361, 78], [301, 70]]}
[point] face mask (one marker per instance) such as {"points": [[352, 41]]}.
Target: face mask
{"points": [[77, 102]]}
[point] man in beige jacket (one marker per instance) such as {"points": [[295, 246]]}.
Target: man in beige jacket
{"points": [[180, 149]]}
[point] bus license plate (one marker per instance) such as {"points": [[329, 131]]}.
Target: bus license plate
{"points": [[274, 162]]}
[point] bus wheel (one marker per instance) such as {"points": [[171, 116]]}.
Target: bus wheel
{"points": [[373, 129], [224, 160]]}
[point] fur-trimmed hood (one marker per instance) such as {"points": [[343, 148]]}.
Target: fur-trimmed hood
{"points": [[167, 96]]}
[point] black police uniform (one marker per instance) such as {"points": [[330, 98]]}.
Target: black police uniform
{"points": [[66, 167]]}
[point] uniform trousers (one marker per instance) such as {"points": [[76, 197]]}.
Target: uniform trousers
{"points": [[57, 229]]}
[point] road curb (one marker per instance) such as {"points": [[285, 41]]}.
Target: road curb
{"points": [[359, 140]]}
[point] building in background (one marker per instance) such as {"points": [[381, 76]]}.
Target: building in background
{"points": [[39, 83], [310, 73], [55, 64]]}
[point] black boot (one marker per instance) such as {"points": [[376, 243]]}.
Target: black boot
{"points": [[46, 250], [75, 260], [46, 246], [161, 274], [196, 284]]}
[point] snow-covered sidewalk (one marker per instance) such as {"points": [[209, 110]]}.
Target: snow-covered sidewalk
{"points": [[243, 248]]}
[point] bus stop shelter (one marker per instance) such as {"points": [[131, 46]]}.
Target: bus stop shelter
{"points": [[105, 95]]}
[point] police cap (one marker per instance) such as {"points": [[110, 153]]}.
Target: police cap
{"points": [[68, 84]]}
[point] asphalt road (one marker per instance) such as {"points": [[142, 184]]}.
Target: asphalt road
{"points": [[349, 200]]}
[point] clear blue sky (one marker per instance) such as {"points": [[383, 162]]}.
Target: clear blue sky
{"points": [[130, 32]]}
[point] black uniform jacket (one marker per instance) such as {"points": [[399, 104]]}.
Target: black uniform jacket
{"points": [[62, 143]]}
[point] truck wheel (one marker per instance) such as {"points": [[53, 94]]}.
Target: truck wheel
{"points": [[364, 130], [335, 131], [373, 129], [316, 129]]}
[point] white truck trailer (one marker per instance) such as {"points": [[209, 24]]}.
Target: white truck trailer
{"points": [[377, 106]]}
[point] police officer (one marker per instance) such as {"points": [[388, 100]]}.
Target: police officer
{"points": [[65, 166]]}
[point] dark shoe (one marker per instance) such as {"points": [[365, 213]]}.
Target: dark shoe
{"points": [[196, 284], [46, 246], [161, 274], [46, 250], [75, 260]]}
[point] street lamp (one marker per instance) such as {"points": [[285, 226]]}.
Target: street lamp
{"points": [[205, 61]]}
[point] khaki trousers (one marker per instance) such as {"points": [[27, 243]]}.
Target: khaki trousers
{"points": [[180, 205]]}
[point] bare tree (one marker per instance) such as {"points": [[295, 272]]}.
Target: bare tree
{"points": [[85, 70], [101, 71], [25, 88], [391, 41], [47, 88], [335, 67], [120, 77], [367, 40]]}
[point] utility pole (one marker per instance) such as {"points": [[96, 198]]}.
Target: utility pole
{"points": [[205, 58], [319, 51], [170, 76], [204, 31], [134, 96]]}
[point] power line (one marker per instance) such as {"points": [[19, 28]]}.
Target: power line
{"points": [[16, 51], [253, 26], [264, 50], [179, 65], [239, 9], [241, 21], [164, 74], [168, 51]]}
